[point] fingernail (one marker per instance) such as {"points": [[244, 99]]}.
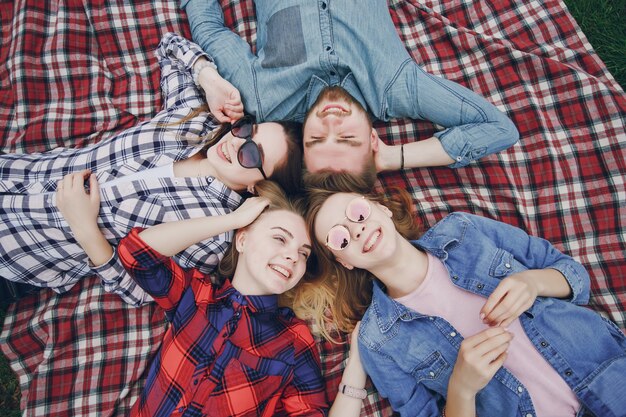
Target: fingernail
{"points": [[482, 316]]}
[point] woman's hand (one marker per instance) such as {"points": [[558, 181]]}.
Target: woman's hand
{"points": [[514, 295], [249, 211], [79, 207], [223, 98], [479, 358]]}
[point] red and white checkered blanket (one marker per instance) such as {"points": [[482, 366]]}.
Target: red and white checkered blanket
{"points": [[73, 74]]}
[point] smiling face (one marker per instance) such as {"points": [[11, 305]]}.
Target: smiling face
{"points": [[371, 241], [273, 254], [337, 133], [222, 157]]}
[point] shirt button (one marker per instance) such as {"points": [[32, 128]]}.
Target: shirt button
{"points": [[480, 286], [529, 415], [568, 373], [328, 48], [333, 73], [323, 5], [195, 382], [455, 277], [520, 389], [210, 180], [431, 318], [508, 265], [459, 159], [544, 343], [453, 334], [432, 374]]}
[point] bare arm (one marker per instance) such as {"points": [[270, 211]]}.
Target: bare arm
{"points": [[516, 293], [425, 153], [170, 238], [353, 376]]}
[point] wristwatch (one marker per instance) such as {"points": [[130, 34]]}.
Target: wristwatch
{"points": [[353, 392], [199, 67]]}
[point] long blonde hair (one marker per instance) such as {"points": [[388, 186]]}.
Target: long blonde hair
{"points": [[336, 298]]}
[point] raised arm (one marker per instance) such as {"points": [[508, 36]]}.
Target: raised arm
{"points": [[230, 52]]}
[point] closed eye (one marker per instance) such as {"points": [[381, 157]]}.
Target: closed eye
{"points": [[280, 238]]}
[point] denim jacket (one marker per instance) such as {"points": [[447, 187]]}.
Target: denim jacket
{"points": [[410, 356], [306, 45]]}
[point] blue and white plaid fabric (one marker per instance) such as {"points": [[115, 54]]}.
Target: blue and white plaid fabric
{"points": [[37, 245]]}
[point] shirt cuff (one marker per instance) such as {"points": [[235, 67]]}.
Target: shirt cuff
{"points": [[577, 278], [115, 279]]}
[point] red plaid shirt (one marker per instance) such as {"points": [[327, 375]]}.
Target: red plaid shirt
{"points": [[225, 354]]}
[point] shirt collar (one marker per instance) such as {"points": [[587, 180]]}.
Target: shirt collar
{"points": [[256, 303], [388, 310]]}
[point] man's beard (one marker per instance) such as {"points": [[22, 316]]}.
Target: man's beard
{"points": [[334, 93]]}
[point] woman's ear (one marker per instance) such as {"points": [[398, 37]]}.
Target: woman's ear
{"points": [[251, 189], [240, 239]]}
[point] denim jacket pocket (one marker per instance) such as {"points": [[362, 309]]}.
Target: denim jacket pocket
{"points": [[503, 264], [431, 368]]}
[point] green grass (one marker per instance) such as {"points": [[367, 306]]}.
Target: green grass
{"points": [[602, 21], [606, 31], [9, 387]]}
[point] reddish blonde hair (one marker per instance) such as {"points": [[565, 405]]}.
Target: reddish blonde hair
{"points": [[336, 298]]}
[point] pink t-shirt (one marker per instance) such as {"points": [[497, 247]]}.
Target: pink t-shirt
{"points": [[437, 296]]}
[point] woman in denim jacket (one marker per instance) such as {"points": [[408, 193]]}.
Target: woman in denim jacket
{"points": [[473, 318]]}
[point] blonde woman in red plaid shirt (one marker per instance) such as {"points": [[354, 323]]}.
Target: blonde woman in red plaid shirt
{"points": [[230, 349]]}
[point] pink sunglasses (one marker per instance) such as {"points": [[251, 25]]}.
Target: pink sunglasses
{"points": [[357, 211]]}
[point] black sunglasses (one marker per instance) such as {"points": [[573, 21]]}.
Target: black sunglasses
{"points": [[249, 155]]}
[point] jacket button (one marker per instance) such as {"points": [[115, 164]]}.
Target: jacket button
{"points": [[568, 373], [520, 389], [432, 374], [455, 277], [544, 343], [508, 265], [453, 334], [480, 286]]}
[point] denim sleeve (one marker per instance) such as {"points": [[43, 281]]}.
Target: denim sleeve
{"points": [[231, 53], [472, 126], [405, 395], [535, 253]]}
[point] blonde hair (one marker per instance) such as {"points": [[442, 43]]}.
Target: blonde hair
{"points": [[336, 298]]}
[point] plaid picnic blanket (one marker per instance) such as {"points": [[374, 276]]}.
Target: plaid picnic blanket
{"points": [[84, 352]]}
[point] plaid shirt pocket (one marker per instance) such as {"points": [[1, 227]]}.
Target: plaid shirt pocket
{"points": [[143, 211]]}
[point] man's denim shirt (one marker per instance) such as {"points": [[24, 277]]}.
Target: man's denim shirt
{"points": [[410, 356], [306, 45]]}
